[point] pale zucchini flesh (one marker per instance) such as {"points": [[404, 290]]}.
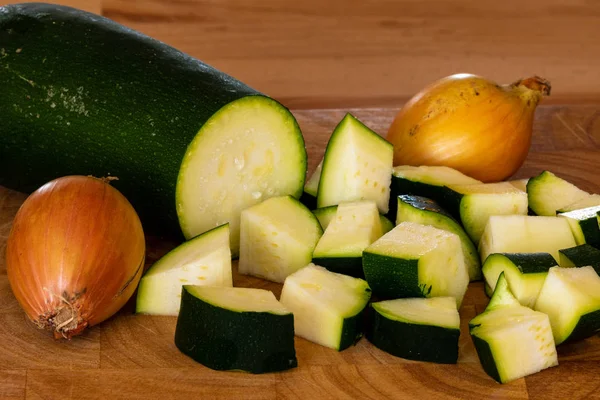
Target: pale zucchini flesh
{"points": [[327, 306], [203, 260], [479, 202], [584, 225], [592, 200], [278, 237], [354, 227], [548, 193], [312, 185], [571, 298], [525, 234], [326, 214], [427, 212], [357, 166], [248, 151]]}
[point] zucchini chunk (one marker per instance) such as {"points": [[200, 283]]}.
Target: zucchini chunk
{"points": [[327, 306], [326, 214], [416, 329], [427, 212], [414, 260], [548, 193], [355, 226], [425, 181], [235, 329], [203, 260], [584, 224], [580, 256], [512, 341], [592, 200], [476, 203], [525, 234], [357, 166], [524, 272], [278, 237], [571, 298]]}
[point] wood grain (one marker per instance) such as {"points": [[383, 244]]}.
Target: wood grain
{"points": [[134, 357], [337, 53]]}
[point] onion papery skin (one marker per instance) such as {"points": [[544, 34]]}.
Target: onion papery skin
{"points": [[468, 123], [75, 254]]}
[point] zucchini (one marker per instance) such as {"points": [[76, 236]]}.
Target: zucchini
{"points": [[571, 298], [592, 200], [416, 329], [235, 329], [326, 214], [357, 166], [425, 181], [525, 234], [278, 237], [520, 184], [584, 225], [203, 260], [191, 146], [355, 226], [327, 307], [524, 272], [580, 256], [476, 203], [414, 260], [311, 188], [427, 212], [512, 341], [548, 193]]}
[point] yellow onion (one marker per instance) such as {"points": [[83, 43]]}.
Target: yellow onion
{"points": [[469, 123], [75, 254]]}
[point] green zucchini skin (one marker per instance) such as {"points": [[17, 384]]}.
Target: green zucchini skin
{"points": [[82, 94], [587, 326], [352, 330], [581, 256], [224, 340], [391, 278], [486, 357], [351, 266], [443, 196], [531, 263], [413, 341]]}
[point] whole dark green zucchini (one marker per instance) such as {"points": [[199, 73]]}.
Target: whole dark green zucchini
{"points": [[81, 94]]}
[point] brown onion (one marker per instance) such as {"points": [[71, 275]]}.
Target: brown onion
{"points": [[75, 254]]}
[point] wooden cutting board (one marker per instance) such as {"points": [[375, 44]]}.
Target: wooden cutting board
{"points": [[133, 357]]}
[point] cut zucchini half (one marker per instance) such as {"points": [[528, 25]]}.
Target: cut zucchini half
{"points": [[327, 306], [278, 237], [414, 260], [548, 193], [592, 200], [235, 329], [248, 151], [357, 166], [427, 212], [525, 234], [476, 203], [326, 214], [524, 272], [512, 341], [584, 225], [355, 226], [571, 298], [311, 188], [416, 329], [425, 181], [203, 260], [580, 256]]}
